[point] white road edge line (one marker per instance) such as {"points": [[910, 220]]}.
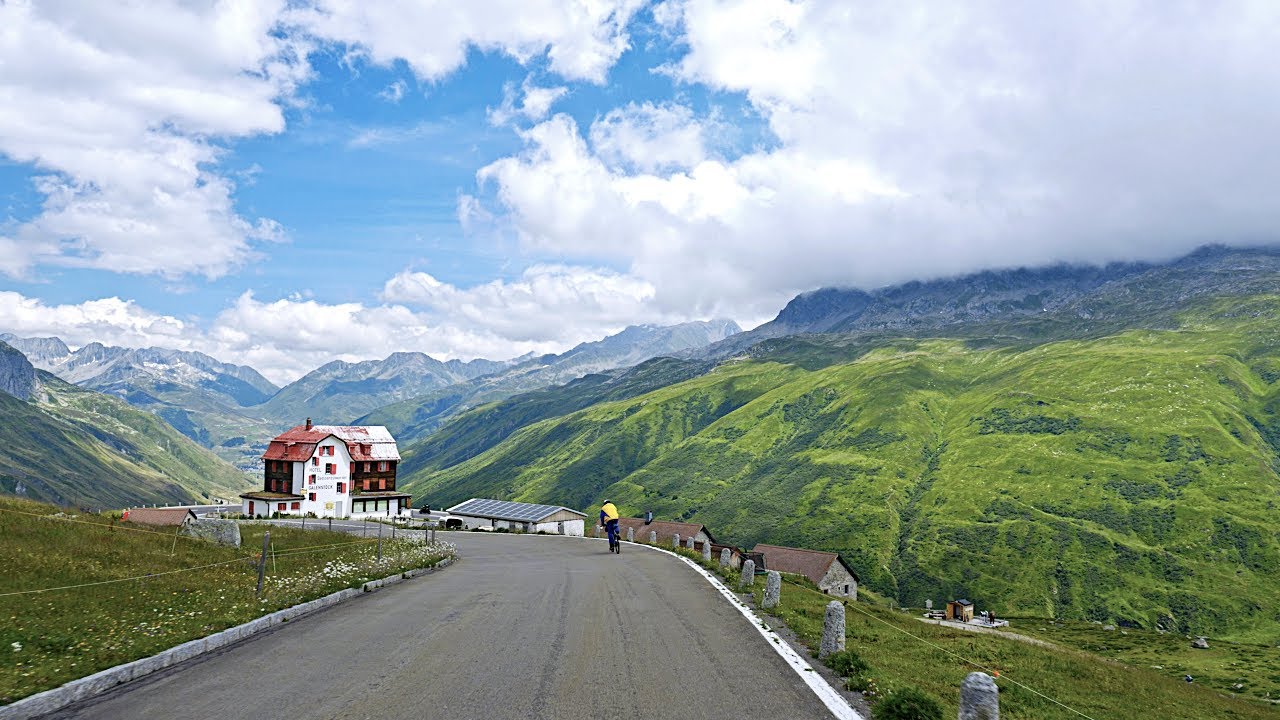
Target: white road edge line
{"points": [[829, 696]]}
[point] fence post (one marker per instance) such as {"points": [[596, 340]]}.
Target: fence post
{"points": [[393, 532], [748, 575], [979, 698], [832, 629], [379, 542], [706, 551], [675, 541], [330, 523], [772, 589], [653, 537], [724, 557], [262, 560], [304, 522]]}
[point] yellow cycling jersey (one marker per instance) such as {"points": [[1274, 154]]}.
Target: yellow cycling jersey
{"points": [[610, 511]]}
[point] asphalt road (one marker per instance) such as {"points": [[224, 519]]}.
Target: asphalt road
{"points": [[521, 627]]}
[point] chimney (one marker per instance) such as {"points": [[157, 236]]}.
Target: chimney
{"points": [[308, 423]]}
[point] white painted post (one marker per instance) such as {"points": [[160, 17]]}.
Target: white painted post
{"points": [[724, 557], [631, 535], [979, 698], [772, 589], [832, 629], [653, 537], [748, 578], [688, 543], [675, 541], [706, 551]]}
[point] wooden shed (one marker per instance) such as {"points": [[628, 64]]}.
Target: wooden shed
{"points": [[960, 610]]}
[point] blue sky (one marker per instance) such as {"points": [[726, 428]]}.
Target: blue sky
{"points": [[282, 184]]}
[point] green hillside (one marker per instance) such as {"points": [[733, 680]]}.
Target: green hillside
{"points": [[80, 447], [1131, 477]]}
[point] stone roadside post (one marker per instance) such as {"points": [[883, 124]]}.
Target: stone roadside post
{"points": [[706, 551], [675, 541], [724, 557], [631, 535], [772, 589], [653, 537], [979, 698], [688, 543], [832, 629], [748, 575]]}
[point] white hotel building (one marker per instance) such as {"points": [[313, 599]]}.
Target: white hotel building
{"points": [[333, 471]]}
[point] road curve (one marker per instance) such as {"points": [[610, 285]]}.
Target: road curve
{"points": [[522, 627]]}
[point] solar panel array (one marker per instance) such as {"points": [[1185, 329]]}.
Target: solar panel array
{"points": [[505, 510]]}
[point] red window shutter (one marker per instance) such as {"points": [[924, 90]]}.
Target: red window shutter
{"points": [[280, 507], [382, 484], [353, 468], [296, 506]]}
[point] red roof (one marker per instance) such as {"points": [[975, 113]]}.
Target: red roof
{"points": [[158, 516], [664, 529], [812, 564], [364, 443]]}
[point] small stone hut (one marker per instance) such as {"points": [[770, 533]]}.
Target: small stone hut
{"points": [[826, 569]]}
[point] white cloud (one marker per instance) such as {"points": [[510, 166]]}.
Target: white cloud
{"points": [[111, 321], [535, 102], [117, 105], [394, 92], [555, 303], [548, 309], [582, 40], [378, 136], [124, 109], [649, 137], [916, 143]]}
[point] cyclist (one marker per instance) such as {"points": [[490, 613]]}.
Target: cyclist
{"points": [[609, 518]]}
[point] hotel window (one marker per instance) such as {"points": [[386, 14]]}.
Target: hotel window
{"points": [[382, 466], [367, 467], [280, 507], [315, 461], [296, 506], [342, 487], [330, 468], [311, 497], [312, 479], [382, 483]]}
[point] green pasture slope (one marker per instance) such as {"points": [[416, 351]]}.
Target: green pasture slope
{"points": [[1130, 478], [83, 448]]}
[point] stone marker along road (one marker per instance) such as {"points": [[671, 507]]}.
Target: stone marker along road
{"points": [[521, 627]]}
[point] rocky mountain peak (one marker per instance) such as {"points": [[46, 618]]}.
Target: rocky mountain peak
{"points": [[17, 375]]}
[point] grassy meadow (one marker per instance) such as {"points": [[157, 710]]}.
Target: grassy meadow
{"points": [[937, 659], [49, 638]]}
